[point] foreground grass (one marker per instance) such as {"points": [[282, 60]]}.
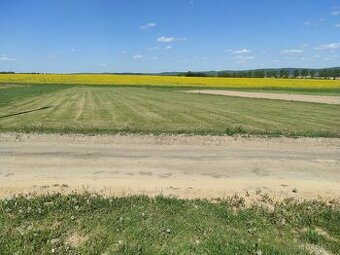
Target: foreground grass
{"points": [[148, 80], [89, 224], [95, 109]]}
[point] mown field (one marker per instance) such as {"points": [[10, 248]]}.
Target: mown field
{"points": [[174, 81], [90, 224], [153, 110]]}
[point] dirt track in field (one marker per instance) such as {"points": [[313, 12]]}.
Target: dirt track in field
{"points": [[279, 96], [183, 166]]}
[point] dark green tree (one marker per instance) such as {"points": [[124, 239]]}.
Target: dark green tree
{"points": [[296, 73]]}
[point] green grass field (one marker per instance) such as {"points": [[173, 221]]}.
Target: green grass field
{"points": [[87, 224], [113, 109]]}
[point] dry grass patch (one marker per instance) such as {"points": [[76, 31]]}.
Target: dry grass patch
{"points": [[76, 240]]}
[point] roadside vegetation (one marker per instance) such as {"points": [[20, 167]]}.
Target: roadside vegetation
{"points": [[93, 224], [153, 110]]}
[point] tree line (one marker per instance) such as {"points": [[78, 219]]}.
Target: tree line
{"points": [[328, 73], [332, 73]]}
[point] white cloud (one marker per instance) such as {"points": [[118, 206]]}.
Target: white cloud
{"points": [[240, 51], [289, 51], [164, 39], [138, 56], [337, 25], [335, 13], [243, 59], [73, 49], [5, 58], [154, 58], [123, 52], [241, 55], [147, 26], [169, 47], [152, 48], [307, 23], [330, 46]]}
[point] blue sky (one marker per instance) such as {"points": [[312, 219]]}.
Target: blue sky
{"points": [[167, 35]]}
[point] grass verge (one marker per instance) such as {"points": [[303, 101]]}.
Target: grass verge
{"points": [[92, 224]]}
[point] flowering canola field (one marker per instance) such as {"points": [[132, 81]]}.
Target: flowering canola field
{"points": [[106, 79]]}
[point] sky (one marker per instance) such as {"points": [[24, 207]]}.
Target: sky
{"points": [[66, 36]]}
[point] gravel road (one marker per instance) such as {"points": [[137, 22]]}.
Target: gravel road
{"points": [[183, 166]]}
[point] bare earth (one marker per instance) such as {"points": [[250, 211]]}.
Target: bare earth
{"points": [[183, 166], [287, 97]]}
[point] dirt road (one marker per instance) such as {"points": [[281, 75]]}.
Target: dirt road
{"points": [[184, 166], [280, 96]]}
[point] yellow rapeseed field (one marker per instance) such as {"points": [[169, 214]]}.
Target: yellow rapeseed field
{"points": [[106, 79]]}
